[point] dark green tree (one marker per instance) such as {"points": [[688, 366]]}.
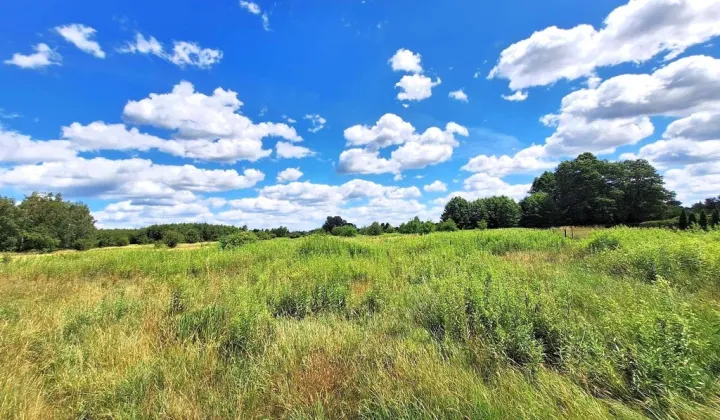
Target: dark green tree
{"points": [[447, 226], [503, 212], [374, 229], [10, 235], [545, 183], [458, 209], [332, 222], [715, 218], [683, 222], [538, 210], [172, 238], [477, 213], [703, 220], [644, 196], [692, 219]]}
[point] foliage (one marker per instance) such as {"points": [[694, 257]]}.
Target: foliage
{"points": [[374, 229], [447, 226], [332, 222], [683, 221], [692, 219], [345, 230], [502, 211], [237, 240], [538, 210], [172, 238], [417, 227], [668, 223], [715, 218], [703, 220]]}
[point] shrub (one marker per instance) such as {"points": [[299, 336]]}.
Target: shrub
{"points": [[683, 220], [692, 219], [703, 219], [172, 238], [375, 229], [482, 225], [715, 219], [668, 223], [447, 226], [603, 243], [192, 236], [346, 231], [237, 240], [39, 242]]}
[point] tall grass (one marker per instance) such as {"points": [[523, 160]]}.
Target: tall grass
{"points": [[494, 324]]}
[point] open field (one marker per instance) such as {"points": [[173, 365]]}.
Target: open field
{"points": [[482, 324]]}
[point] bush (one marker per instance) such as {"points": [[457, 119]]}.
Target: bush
{"points": [[447, 226], [172, 238], [39, 242], [346, 231], [668, 223], [375, 229], [237, 240]]}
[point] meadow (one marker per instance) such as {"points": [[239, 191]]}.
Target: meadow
{"points": [[508, 323]]}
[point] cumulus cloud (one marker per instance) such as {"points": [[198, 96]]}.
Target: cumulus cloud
{"points": [[458, 95], [406, 60], [529, 160], [126, 178], [81, 36], [416, 87], [694, 182], [183, 54], [318, 122], [518, 96], [437, 186], [291, 151], [416, 150], [634, 32], [482, 185], [289, 175], [209, 127], [19, 148], [44, 56]]}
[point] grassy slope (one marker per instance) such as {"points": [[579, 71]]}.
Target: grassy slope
{"points": [[495, 324]]}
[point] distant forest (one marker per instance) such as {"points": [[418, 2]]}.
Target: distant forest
{"points": [[583, 191]]}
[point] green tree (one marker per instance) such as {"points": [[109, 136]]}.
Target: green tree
{"points": [[447, 226], [545, 183], [715, 218], [503, 212], [644, 196], [458, 209], [192, 236], [346, 230], [48, 214], [692, 219], [10, 235], [332, 222], [703, 221], [375, 229], [172, 238], [538, 210], [477, 213], [683, 222], [587, 191]]}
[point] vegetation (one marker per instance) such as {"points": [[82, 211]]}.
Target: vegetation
{"points": [[508, 323]]}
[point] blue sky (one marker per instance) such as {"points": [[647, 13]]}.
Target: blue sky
{"points": [[383, 109]]}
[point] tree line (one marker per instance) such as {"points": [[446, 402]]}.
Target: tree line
{"points": [[583, 191]]}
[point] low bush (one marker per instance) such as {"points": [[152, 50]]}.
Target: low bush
{"points": [[237, 240]]}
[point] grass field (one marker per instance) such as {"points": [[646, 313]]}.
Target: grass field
{"points": [[514, 323]]}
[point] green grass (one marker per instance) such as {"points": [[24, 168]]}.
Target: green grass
{"points": [[623, 323]]}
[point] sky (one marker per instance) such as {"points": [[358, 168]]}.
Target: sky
{"points": [[273, 113]]}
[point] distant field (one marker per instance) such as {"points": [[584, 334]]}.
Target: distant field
{"points": [[621, 323]]}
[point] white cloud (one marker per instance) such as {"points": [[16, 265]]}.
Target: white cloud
{"points": [[256, 10], [209, 127], [289, 175], [184, 53], [406, 60], [290, 151], [128, 178], [416, 87], [482, 185], [635, 32], [318, 122], [518, 96], [437, 186], [250, 7], [81, 36], [694, 182], [44, 56], [416, 151], [19, 148], [458, 95], [529, 160]]}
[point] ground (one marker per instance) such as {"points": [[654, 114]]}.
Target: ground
{"points": [[622, 323]]}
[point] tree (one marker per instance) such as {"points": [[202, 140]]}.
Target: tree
{"points": [[447, 226], [10, 236], [692, 219], [458, 209], [503, 212], [172, 238], [538, 210], [280, 232], [333, 222], [237, 240], [375, 229], [715, 218], [69, 225], [683, 220], [644, 196], [477, 213], [703, 221], [416, 226], [545, 183], [192, 236], [346, 230]]}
